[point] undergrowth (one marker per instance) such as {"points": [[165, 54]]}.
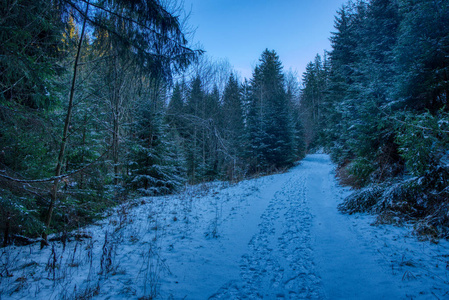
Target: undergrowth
{"points": [[422, 201]]}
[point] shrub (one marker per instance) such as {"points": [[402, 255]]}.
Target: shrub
{"points": [[18, 216], [422, 200], [362, 200]]}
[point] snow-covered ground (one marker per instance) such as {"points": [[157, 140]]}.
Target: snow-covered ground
{"points": [[275, 237]]}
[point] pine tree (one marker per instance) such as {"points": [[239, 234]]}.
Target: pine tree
{"points": [[142, 32], [211, 135], [270, 128], [175, 110], [294, 99], [371, 134], [156, 164], [233, 126], [315, 81], [32, 82], [422, 55], [193, 132], [30, 36], [340, 101]]}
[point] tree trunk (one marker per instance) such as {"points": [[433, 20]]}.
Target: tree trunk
{"points": [[83, 154], [54, 188], [115, 143], [7, 226]]}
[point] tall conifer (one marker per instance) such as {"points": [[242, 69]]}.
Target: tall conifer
{"points": [[270, 127]]}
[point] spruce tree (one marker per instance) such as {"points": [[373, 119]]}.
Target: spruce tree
{"points": [[233, 126], [175, 110], [156, 164], [422, 56], [211, 135], [270, 128], [67, 119], [194, 130], [314, 80]]}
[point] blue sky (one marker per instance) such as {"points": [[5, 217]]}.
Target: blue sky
{"points": [[240, 30]]}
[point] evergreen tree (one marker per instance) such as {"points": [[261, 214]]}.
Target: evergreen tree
{"points": [[142, 32], [270, 127], [175, 110], [294, 100], [371, 137], [33, 56], [422, 55], [315, 80], [193, 132], [387, 56], [343, 73], [233, 126], [30, 35], [156, 163]]}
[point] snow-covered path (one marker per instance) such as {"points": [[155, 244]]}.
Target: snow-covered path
{"points": [[348, 266], [278, 262], [275, 237]]}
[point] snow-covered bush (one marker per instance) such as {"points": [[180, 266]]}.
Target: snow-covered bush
{"points": [[362, 200], [401, 198], [361, 170], [423, 141], [422, 200]]}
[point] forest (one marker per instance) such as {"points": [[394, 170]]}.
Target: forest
{"points": [[105, 100], [102, 101], [378, 103]]}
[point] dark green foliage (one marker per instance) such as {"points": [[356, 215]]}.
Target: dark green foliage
{"points": [[142, 30], [422, 55], [235, 132], [422, 200], [385, 107], [232, 110], [312, 107], [155, 163], [358, 86], [18, 215], [195, 115], [30, 36], [233, 127], [175, 111], [84, 86], [26, 143], [293, 97], [270, 130], [211, 136], [92, 132], [423, 141], [199, 124], [361, 201]]}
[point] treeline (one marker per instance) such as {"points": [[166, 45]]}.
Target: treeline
{"points": [[378, 102], [249, 128], [100, 99]]}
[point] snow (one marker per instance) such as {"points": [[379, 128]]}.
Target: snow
{"points": [[275, 237]]}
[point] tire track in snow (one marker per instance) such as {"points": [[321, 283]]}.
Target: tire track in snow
{"points": [[279, 262]]}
